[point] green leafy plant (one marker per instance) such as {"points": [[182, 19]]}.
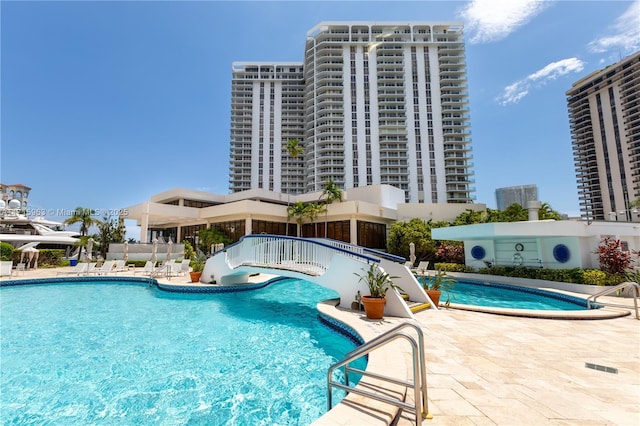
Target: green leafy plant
{"points": [[595, 277], [378, 281], [441, 281], [198, 261]]}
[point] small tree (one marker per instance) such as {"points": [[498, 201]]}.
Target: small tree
{"points": [[611, 256], [83, 216]]}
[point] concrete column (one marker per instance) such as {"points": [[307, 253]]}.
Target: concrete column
{"points": [[533, 207], [144, 225], [247, 225], [353, 222]]}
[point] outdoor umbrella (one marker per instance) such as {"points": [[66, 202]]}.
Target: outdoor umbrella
{"points": [[154, 250], [125, 251], [33, 253], [89, 249], [169, 247], [412, 253]]}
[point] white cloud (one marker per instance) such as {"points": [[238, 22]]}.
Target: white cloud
{"points": [[493, 20], [624, 35], [513, 93]]}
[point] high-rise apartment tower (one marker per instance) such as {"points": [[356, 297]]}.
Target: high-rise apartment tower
{"points": [[604, 112], [372, 103], [516, 195]]}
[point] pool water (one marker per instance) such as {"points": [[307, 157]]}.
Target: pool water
{"points": [[115, 353], [507, 296]]}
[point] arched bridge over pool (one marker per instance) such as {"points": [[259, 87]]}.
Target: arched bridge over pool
{"points": [[329, 263]]}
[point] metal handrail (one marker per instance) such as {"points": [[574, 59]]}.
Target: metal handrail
{"points": [[156, 272], [419, 384], [592, 298]]}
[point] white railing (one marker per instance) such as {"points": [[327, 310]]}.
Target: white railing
{"points": [[312, 257]]}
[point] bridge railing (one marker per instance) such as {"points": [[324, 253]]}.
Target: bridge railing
{"points": [[300, 254]]}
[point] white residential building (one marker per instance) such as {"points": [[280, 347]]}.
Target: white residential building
{"points": [[372, 103]]}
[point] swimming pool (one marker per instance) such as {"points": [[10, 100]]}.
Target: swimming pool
{"points": [[117, 353], [478, 293]]}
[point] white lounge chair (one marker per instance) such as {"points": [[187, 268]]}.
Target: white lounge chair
{"points": [[106, 268], [80, 268], [185, 267], [422, 267], [148, 269], [120, 266]]}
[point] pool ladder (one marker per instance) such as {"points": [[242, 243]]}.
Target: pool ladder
{"points": [[420, 408], [635, 289]]}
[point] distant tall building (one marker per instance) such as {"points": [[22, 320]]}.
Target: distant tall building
{"points": [[516, 194], [604, 111], [372, 103]]}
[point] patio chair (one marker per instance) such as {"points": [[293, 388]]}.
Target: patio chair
{"points": [[20, 267], [148, 269], [80, 268], [422, 267], [120, 266], [106, 268], [185, 267]]}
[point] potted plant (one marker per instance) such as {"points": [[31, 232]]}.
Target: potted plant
{"points": [[197, 265], [436, 285], [378, 282]]}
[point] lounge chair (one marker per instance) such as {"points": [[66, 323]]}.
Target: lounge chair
{"points": [[185, 267], [422, 267], [106, 268], [148, 269], [120, 266], [80, 268]]}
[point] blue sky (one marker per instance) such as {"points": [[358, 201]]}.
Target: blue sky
{"points": [[104, 104]]}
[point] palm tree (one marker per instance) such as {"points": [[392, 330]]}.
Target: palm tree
{"points": [[83, 216], [294, 149], [297, 210], [312, 211], [331, 193], [546, 212]]}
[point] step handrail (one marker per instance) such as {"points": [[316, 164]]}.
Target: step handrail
{"points": [[419, 384], [592, 299]]}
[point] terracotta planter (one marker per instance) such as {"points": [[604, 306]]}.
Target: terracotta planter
{"points": [[195, 276], [374, 306], [434, 295]]}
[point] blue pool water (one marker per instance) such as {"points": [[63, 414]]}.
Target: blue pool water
{"points": [[506, 296], [115, 353]]}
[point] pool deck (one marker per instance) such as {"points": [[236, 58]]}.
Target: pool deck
{"points": [[488, 369]]}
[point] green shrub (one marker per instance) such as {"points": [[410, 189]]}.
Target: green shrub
{"points": [[595, 277], [452, 267], [6, 250], [575, 275]]}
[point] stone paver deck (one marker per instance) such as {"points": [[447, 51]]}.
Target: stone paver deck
{"points": [[486, 369]]}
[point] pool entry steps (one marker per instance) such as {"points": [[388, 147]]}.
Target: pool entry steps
{"points": [[329, 263]]}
